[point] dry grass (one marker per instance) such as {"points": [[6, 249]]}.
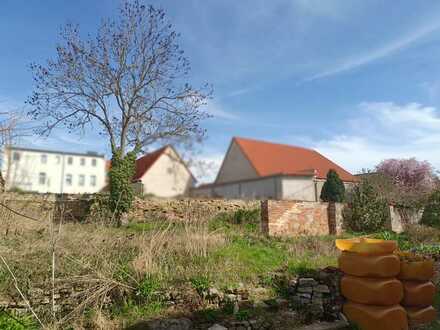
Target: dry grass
{"points": [[114, 262], [158, 250], [106, 261]]}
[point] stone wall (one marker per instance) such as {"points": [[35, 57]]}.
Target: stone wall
{"points": [[401, 217], [67, 296], [179, 209], [43, 206], [293, 218], [76, 207]]}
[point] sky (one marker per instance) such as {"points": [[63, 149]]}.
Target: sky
{"points": [[359, 81]]}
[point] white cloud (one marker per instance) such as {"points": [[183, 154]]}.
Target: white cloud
{"points": [[416, 114], [239, 92], [386, 50], [386, 130], [216, 110]]}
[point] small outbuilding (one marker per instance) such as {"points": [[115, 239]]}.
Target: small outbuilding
{"points": [[163, 173], [253, 169]]}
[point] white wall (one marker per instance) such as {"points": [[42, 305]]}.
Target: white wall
{"points": [[253, 189], [235, 166], [168, 177], [299, 188], [25, 173]]}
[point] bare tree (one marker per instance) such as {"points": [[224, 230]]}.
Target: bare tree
{"points": [[10, 131], [129, 81]]}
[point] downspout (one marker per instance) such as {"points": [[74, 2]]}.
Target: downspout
{"points": [[316, 186], [62, 175]]}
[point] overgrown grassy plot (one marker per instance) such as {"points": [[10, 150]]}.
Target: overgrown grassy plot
{"points": [[139, 261], [138, 264]]}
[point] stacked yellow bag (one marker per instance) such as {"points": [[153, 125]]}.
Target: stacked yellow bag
{"points": [[370, 284], [418, 290]]}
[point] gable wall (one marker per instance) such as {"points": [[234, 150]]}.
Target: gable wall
{"points": [[168, 177], [236, 166]]}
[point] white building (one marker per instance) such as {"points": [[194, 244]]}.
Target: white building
{"points": [[255, 169], [163, 173], [47, 171]]}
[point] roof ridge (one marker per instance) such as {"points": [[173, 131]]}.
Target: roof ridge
{"points": [[274, 143]]}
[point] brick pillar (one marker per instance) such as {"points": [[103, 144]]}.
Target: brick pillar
{"points": [[264, 206], [331, 211]]}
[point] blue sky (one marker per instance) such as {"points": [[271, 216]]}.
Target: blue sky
{"points": [[357, 80]]}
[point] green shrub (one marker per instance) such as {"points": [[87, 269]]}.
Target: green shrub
{"points": [[333, 189], [431, 213], [368, 211]]}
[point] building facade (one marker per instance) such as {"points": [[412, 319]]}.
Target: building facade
{"points": [[254, 169], [163, 173], [48, 171]]}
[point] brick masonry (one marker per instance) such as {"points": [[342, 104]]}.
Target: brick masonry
{"points": [[295, 218]]}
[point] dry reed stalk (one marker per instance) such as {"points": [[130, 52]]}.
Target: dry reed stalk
{"points": [[153, 250]]}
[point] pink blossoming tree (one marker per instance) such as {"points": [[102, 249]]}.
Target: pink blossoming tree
{"points": [[413, 180]]}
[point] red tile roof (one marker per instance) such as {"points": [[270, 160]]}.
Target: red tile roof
{"points": [[272, 158], [144, 163]]}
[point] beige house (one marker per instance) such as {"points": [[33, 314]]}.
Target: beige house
{"points": [[255, 169], [163, 173]]}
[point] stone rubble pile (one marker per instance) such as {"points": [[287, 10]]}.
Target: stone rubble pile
{"points": [[320, 295]]}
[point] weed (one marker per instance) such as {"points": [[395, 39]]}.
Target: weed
{"points": [[148, 288], [209, 315], [131, 311], [243, 315], [402, 239], [16, 322], [3, 276], [201, 284], [228, 308], [301, 267], [244, 220], [246, 216]]}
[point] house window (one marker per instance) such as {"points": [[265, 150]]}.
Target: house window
{"points": [[70, 160], [93, 162], [93, 180], [16, 156], [42, 178], [58, 159], [82, 161], [82, 180], [43, 159], [69, 179]]}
